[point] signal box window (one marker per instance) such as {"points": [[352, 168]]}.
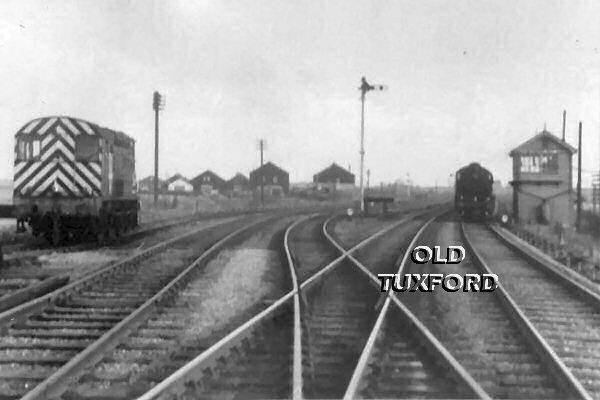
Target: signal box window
{"points": [[86, 148], [545, 163]]}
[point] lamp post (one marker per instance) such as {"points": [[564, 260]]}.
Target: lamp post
{"points": [[364, 88]]}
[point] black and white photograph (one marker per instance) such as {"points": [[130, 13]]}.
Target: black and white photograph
{"points": [[299, 199]]}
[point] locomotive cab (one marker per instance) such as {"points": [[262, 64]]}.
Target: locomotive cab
{"points": [[67, 171], [473, 197]]}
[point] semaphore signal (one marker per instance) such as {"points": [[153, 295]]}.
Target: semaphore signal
{"points": [[364, 88]]}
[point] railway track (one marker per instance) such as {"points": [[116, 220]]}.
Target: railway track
{"points": [[401, 358], [169, 336], [18, 287], [32, 246], [22, 283], [46, 341], [340, 312], [289, 351], [307, 238], [479, 330], [560, 314]]}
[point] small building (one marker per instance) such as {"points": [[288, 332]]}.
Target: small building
{"points": [[276, 181], [542, 180], [238, 184], [147, 185], [178, 183], [208, 183], [334, 178]]}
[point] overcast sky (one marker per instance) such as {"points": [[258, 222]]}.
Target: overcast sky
{"points": [[468, 80]]}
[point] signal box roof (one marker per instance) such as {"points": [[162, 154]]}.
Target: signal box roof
{"points": [[541, 141]]}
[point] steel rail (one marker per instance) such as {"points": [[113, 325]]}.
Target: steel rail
{"points": [[556, 366], [442, 353], [175, 384], [297, 357], [583, 286], [346, 252], [54, 385], [32, 291], [52, 283], [131, 235], [22, 311]]}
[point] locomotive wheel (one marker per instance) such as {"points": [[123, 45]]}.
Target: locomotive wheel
{"points": [[56, 231], [100, 237], [112, 233], [55, 235]]}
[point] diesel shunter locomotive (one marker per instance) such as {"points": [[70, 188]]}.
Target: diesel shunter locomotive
{"points": [[74, 179], [473, 195]]}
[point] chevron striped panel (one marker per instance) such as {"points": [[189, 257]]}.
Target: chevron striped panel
{"points": [[56, 170]]}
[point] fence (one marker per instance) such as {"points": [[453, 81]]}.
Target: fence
{"points": [[577, 252]]}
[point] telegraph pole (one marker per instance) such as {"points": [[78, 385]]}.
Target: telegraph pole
{"points": [[564, 123], [364, 88], [578, 220], [261, 147], [262, 178], [158, 103]]}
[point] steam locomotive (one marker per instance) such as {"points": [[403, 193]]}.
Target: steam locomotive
{"points": [[474, 197]]}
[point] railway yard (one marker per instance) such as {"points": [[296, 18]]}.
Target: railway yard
{"points": [[289, 305], [339, 200]]}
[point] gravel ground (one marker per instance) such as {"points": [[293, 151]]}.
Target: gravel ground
{"points": [[161, 235], [232, 284], [24, 269], [351, 232], [387, 249], [235, 280], [313, 250], [8, 224], [82, 262], [8, 228]]}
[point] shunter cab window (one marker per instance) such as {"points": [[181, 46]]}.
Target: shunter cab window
{"points": [[87, 148], [28, 149]]}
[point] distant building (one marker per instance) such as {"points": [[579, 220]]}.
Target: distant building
{"points": [[208, 182], [276, 181], [334, 178], [147, 185], [177, 183], [238, 184], [542, 180]]}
